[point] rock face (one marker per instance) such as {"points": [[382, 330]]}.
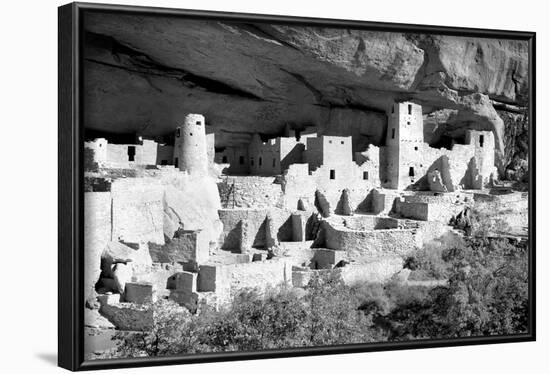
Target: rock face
{"points": [[143, 74]]}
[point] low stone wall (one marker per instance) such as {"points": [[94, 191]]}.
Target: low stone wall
{"points": [[378, 270], [361, 245], [412, 210], [250, 192], [440, 211], [365, 222], [227, 280]]}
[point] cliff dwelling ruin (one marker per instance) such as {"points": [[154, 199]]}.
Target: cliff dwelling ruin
{"points": [[197, 223]]}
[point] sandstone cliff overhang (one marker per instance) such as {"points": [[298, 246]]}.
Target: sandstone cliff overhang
{"points": [[143, 73]]}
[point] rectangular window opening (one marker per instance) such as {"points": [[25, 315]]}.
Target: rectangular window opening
{"points": [[365, 175], [176, 162], [241, 160], [410, 109], [131, 153], [332, 174], [260, 161], [273, 162], [481, 140], [393, 133], [411, 172]]}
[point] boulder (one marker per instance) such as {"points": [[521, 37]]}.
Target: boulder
{"points": [[122, 274]]}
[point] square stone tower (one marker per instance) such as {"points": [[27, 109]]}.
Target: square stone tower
{"points": [[404, 145]]}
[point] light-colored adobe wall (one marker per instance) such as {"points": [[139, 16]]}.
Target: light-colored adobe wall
{"points": [[146, 154], [298, 183], [117, 153], [137, 209], [227, 280], [234, 157], [337, 150], [362, 245], [251, 192]]}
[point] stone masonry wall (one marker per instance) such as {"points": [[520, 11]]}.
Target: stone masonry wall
{"points": [[255, 220], [227, 280], [250, 192], [361, 245]]}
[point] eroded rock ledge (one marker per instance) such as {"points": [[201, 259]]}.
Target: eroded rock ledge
{"points": [[142, 74]]}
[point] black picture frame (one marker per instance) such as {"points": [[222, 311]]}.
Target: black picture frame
{"points": [[70, 192]]}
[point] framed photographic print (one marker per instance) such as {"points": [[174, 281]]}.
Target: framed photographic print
{"points": [[243, 186]]}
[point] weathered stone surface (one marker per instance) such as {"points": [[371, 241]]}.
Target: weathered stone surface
{"points": [[344, 206], [116, 252], [93, 319], [137, 210], [183, 281], [192, 202], [97, 233], [109, 299], [322, 204], [144, 75], [435, 182], [122, 274], [138, 292], [128, 316], [189, 246]]}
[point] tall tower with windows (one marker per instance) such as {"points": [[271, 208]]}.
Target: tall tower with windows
{"points": [[404, 145], [190, 148]]}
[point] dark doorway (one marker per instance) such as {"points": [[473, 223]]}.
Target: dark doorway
{"points": [[131, 153], [241, 160], [224, 159], [176, 163], [164, 162], [481, 140]]}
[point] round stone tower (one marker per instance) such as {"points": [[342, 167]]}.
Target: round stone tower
{"points": [[190, 151]]}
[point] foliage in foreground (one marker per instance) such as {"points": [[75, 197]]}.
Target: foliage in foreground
{"points": [[486, 294]]}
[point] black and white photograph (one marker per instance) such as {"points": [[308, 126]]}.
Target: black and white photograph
{"points": [[249, 186]]}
